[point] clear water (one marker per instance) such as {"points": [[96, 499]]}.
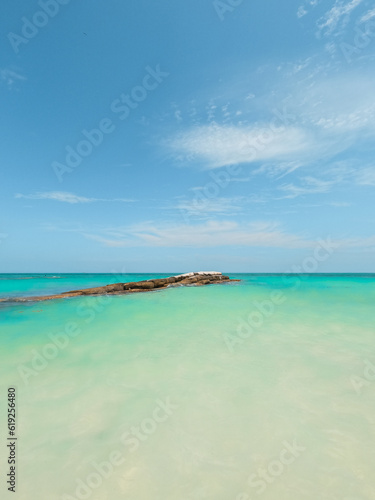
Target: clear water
{"points": [[269, 387]]}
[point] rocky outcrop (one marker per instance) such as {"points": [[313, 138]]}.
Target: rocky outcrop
{"points": [[188, 279]]}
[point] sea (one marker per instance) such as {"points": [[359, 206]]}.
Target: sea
{"points": [[258, 389]]}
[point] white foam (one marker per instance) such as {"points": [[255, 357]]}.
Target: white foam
{"points": [[205, 273]]}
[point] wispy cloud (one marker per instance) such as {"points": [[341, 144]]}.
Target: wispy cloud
{"points": [[365, 176], [367, 16], [66, 197], [9, 77], [201, 206], [209, 234], [343, 104], [331, 112], [340, 204], [338, 174], [306, 7], [219, 146], [217, 234], [337, 17], [278, 170], [309, 185]]}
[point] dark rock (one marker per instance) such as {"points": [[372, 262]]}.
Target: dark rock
{"points": [[145, 285], [179, 278], [204, 282], [170, 280], [94, 291], [158, 283], [189, 281], [129, 286], [117, 287]]}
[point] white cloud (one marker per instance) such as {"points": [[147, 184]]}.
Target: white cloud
{"points": [[332, 116], [338, 15], [340, 204], [219, 146], [366, 176], [304, 9], [57, 196], [218, 234], [310, 185], [278, 170], [328, 112], [363, 243], [65, 197], [337, 104], [201, 206], [338, 174], [209, 234], [369, 15]]}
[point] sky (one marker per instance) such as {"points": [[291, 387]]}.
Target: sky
{"points": [[177, 136]]}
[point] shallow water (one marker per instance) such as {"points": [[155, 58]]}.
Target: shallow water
{"points": [[258, 389]]}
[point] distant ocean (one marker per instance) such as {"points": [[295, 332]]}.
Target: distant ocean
{"points": [[259, 389]]}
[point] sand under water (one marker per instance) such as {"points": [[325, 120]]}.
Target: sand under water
{"points": [[259, 389]]}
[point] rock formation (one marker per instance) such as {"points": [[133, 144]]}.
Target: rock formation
{"points": [[188, 279]]}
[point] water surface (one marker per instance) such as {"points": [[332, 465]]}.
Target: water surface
{"points": [[200, 393]]}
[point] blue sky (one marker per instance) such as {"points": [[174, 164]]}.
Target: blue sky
{"points": [[166, 136]]}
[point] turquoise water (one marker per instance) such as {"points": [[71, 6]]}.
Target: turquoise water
{"points": [[258, 389]]}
